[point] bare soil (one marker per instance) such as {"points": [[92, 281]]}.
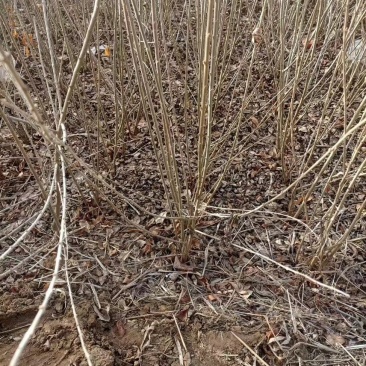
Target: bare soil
{"points": [[145, 341], [158, 314]]}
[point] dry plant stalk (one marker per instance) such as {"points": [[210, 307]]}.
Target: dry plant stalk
{"points": [[176, 74], [59, 179], [185, 179]]}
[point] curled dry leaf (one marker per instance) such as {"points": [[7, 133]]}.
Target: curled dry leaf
{"points": [[213, 297], [257, 37], [103, 314], [308, 43], [335, 339], [161, 218], [183, 314], [147, 249], [182, 267], [120, 328], [107, 52], [277, 339], [244, 293]]}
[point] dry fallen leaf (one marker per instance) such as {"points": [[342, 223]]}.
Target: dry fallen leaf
{"points": [[335, 339], [257, 36], [213, 297], [161, 218], [245, 294], [307, 43], [120, 328], [147, 249], [181, 266], [183, 314], [107, 52], [15, 34], [276, 339], [103, 314]]}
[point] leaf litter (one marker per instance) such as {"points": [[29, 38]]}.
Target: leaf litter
{"points": [[140, 305]]}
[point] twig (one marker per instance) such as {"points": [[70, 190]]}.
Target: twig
{"points": [[14, 329], [179, 348], [180, 334], [80, 333], [293, 271], [75, 72], [349, 354], [250, 350], [129, 285], [31, 330]]}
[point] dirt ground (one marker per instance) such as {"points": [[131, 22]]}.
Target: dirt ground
{"points": [[146, 340], [236, 315]]}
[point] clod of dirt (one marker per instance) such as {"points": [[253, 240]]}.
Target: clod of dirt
{"points": [[101, 357]]}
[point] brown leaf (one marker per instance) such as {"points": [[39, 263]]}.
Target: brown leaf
{"points": [[196, 243], [182, 267], [120, 328], [257, 37], [254, 121], [213, 297], [183, 314], [107, 52], [185, 298], [147, 249], [203, 281], [335, 339], [269, 334], [307, 43]]}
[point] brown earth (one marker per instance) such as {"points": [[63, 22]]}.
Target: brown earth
{"points": [[119, 342]]}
